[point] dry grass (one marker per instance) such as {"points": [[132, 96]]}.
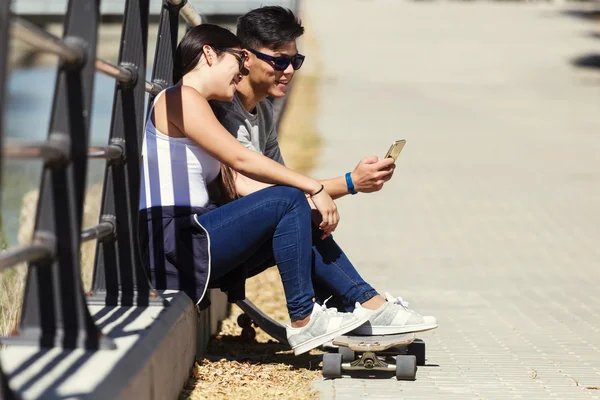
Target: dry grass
{"points": [[264, 369], [234, 368], [12, 282], [12, 285]]}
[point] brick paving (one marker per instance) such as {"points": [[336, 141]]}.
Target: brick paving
{"points": [[492, 220]]}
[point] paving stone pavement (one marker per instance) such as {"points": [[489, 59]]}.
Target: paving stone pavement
{"points": [[492, 220]]}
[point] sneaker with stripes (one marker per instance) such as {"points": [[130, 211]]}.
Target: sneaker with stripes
{"points": [[324, 325], [393, 317]]}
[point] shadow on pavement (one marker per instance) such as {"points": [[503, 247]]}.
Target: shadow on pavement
{"points": [[591, 61], [235, 348], [591, 15]]}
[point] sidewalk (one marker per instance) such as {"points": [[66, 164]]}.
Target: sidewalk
{"points": [[492, 220]]}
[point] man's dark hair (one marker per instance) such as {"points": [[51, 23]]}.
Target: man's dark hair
{"points": [[270, 27]]}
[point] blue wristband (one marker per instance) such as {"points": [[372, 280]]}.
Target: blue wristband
{"points": [[350, 184]]}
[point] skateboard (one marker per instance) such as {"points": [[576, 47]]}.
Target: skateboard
{"points": [[400, 353], [253, 316]]}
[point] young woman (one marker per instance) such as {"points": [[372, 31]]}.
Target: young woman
{"points": [[187, 242]]}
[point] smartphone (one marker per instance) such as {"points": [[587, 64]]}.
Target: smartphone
{"points": [[395, 149]]}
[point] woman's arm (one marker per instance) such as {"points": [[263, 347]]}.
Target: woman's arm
{"points": [[198, 122], [191, 115]]}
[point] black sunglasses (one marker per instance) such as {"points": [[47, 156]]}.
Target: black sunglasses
{"points": [[282, 62], [240, 53]]}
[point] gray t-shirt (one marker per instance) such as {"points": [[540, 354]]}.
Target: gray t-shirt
{"points": [[256, 131]]}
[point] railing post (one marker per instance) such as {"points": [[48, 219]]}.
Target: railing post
{"points": [[166, 44], [119, 276], [55, 312], [5, 392]]}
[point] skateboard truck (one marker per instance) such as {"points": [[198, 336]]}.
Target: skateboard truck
{"points": [[369, 361], [390, 353], [404, 366]]}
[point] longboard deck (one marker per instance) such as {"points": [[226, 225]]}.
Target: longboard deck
{"points": [[374, 343], [263, 321]]}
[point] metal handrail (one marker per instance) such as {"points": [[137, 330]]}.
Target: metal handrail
{"points": [[43, 40], [71, 51], [122, 74], [54, 149], [153, 88], [187, 12], [41, 247], [109, 152], [99, 231]]}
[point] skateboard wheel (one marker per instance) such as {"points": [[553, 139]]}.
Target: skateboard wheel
{"points": [[417, 349], [244, 321], [332, 365], [406, 368], [249, 333], [348, 355]]}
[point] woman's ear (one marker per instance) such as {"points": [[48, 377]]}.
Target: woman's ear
{"points": [[209, 54]]}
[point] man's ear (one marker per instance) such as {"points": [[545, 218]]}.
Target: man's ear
{"points": [[247, 61]]}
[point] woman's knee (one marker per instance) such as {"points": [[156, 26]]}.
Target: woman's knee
{"points": [[295, 197]]}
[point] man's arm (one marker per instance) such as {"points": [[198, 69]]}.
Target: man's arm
{"points": [[369, 176], [244, 137], [233, 122]]}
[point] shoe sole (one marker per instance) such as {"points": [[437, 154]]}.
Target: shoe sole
{"points": [[392, 330], [319, 340]]}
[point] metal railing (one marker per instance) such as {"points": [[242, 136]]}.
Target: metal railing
{"points": [[55, 307]]}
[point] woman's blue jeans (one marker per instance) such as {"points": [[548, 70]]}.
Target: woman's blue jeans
{"points": [[273, 227]]}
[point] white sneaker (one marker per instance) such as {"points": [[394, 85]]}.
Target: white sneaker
{"points": [[394, 317], [324, 325]]}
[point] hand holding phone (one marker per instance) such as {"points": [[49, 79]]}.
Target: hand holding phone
{"points": [[395, 149]]}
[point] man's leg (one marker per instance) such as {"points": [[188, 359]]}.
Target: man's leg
{"points": [[334, 275]]}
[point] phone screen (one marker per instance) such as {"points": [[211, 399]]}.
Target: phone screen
{"points": [[395, 149]]}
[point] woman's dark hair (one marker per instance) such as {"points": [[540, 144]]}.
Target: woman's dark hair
{"points": [[189, 51], [271, 27]]}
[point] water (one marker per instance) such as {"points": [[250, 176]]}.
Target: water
{"points": [[27, 118]]}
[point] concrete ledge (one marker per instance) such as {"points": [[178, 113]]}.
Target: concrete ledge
{"points": [[156, 347], [209, 320]]}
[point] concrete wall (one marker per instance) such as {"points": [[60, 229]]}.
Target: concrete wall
{"points": [[156, 348]]}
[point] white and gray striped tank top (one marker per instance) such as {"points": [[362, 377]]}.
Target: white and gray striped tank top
{"points": [[175, 171]]}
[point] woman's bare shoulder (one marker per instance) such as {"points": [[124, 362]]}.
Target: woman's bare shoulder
{"points": [[188, 94], [178, 96], [178, 101]]}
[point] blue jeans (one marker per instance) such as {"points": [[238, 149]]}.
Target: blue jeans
{"points": [[273, 227]]}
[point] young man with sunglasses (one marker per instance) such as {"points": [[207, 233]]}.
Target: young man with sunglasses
{"points": [[268, 35]]}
